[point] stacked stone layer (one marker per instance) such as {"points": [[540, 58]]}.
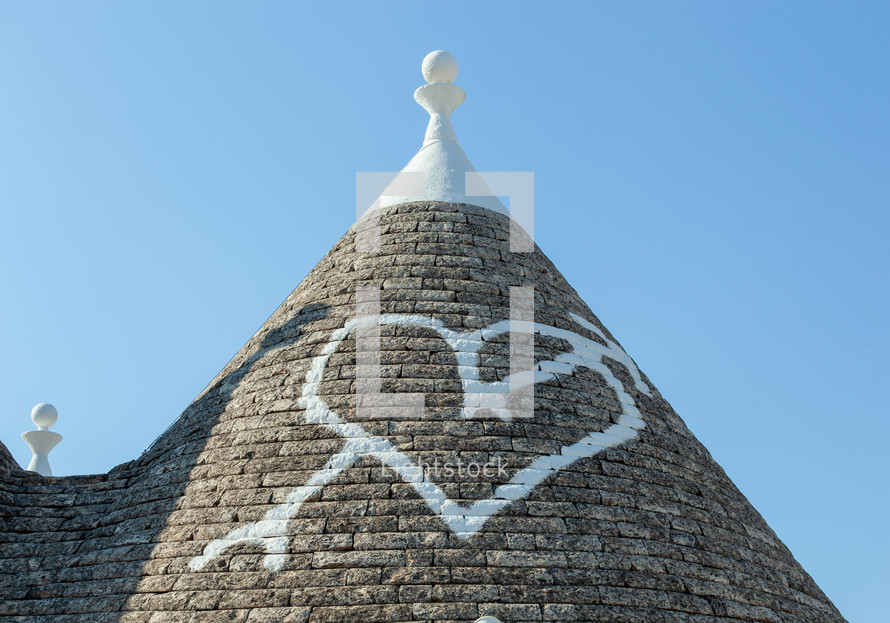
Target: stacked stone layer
{"points": [[649, 531]]}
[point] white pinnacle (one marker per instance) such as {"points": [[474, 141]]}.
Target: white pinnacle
{"points": [[42, 440], [441, 161]]}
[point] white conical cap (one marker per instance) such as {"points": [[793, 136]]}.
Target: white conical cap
{"points": [[42, 440]]}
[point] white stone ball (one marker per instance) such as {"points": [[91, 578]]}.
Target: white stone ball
{"points": [[439, 66], [44, 415]]}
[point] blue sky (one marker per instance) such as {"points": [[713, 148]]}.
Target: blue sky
{"points": [[711, 177]]}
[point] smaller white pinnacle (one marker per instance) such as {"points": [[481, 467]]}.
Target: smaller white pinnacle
{"points": [[42, 440]]}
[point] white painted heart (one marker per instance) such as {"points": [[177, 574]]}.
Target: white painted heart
{"points": [[270, 532]]}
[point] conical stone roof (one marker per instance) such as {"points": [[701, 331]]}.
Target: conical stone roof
{"points": [[273, 497]]}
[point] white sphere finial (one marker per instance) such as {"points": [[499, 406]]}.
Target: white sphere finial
{"points": [[44, 415], [439, 66]]}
